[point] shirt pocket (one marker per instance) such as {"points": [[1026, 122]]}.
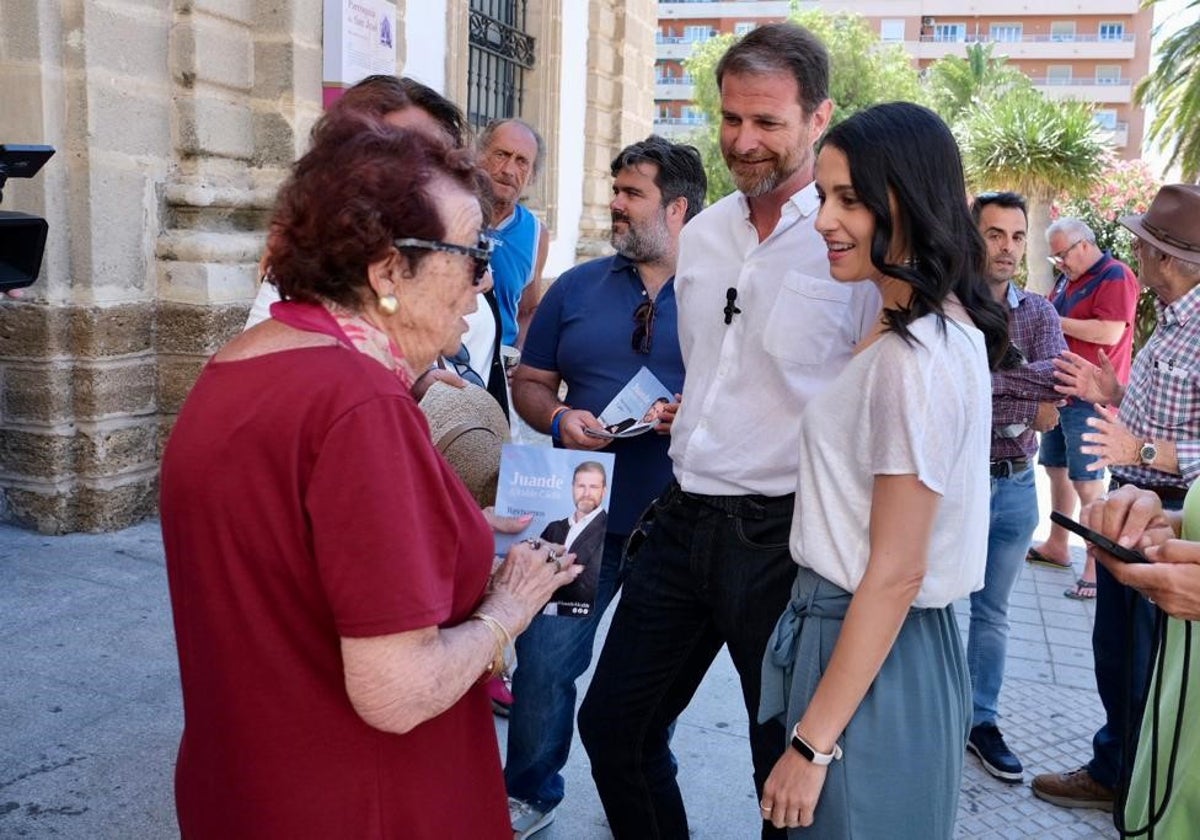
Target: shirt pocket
{"points": [[808, 321], [1173, 397]]}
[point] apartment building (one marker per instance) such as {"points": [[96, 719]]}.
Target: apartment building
{"points": [[1094, 51]]}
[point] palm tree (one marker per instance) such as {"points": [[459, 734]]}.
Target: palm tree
{"points": [[951, 83], [1174, 91], [1024, 142]]}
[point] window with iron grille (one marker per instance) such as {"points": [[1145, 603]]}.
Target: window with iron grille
{"points": [[499, 53]]}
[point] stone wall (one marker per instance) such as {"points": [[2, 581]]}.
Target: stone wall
{"points": [[77, 365], [173, 125], [620, 95]]}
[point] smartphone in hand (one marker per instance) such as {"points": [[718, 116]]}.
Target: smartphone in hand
{"points": [[1125, 555]]}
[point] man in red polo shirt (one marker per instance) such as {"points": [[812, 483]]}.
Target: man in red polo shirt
{"points": [[1096, 298]]}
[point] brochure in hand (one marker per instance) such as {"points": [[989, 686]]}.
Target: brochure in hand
{"points": [[635, 409], [567, 492]]}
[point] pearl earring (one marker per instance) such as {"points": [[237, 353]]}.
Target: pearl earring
{"points": [[388, 304]]}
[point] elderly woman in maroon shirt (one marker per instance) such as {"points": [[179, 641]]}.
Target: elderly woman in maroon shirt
{"points": [[330, 576]]}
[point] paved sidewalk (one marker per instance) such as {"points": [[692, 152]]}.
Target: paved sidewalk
{"points": [[90, 712]]}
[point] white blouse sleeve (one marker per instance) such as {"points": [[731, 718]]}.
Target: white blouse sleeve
{"points": [[916, 417]]}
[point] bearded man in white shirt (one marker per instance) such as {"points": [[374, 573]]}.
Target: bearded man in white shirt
{"points": [[762, 328]]}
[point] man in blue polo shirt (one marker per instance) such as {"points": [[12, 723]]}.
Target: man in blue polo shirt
{"points": [[596, 327]]}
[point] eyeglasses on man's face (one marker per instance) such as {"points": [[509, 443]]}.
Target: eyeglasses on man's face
{"points": [[1061, 257], [481, 253]]}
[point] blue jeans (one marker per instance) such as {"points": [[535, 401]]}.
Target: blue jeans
{"points": [[714, 570], [551, 654], [1014, 516], [1122, 642]]}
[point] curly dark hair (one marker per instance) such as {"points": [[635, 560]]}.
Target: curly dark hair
{"points": [[680, 170], [362, 186], [904, 150]]}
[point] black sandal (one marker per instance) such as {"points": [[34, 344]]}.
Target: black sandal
{"points": [[1083, 590]]}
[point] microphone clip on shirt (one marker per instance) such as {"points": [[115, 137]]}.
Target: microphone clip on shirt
{"points": [[730, 308]]}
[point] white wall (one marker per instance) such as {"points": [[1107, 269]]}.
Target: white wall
{"points": [[1169, 17], [425, 43], [569, 154]]}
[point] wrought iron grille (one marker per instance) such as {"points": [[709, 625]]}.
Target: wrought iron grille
{"points": [[500, 51]]}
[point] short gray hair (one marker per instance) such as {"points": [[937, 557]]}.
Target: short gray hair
{"points": [[1188, 269], [485, 138], [1073, 228]]}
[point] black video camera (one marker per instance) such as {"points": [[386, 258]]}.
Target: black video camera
{"points": [[22, 237]]}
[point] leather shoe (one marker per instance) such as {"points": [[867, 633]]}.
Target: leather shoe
{"points": [[1075, 789]]}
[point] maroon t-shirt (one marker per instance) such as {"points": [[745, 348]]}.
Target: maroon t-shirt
{"points": [[302, 501], [1108, 291]]}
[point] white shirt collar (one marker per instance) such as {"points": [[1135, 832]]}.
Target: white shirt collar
{"points": [[803, 202]]}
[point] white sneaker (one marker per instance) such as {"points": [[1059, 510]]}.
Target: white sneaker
{"points": [[527, 820]]}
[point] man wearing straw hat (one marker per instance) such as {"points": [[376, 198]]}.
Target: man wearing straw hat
{"points": [[1152, 442]]}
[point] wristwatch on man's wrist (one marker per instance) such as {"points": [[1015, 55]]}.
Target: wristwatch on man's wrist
{"points": [[1147, 452], [808, 751]]}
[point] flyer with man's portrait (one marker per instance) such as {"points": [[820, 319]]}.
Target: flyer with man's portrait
{"points": [[567, 492]]}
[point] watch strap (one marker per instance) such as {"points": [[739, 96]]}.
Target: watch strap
{"points": [[809, 752]]}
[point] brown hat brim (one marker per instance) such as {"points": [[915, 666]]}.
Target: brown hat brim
{"points": [[1174, 214]]}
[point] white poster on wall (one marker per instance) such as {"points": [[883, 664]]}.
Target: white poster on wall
{"points": [[360, 40]]}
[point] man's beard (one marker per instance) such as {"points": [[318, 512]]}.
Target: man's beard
{"points": [[585, 506], [759, 181], [640, 244]]}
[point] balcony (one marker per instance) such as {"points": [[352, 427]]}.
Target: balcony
{"points": [[1114, 91], [676, 127], [677, 47], [672, 88], [692, 9], [1031, 47]]}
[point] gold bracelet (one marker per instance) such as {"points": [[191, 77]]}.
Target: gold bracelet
{"points": [[504, 643]]}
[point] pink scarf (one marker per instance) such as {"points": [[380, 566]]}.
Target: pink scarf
{"points": [[350, 329]]}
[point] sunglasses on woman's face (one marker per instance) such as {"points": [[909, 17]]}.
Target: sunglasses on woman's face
{"points": [[481, 254]]}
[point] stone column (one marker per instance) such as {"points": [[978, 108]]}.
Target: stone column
{"points": [[246, 86], [78, 425], [620, 98], [173, 123]]}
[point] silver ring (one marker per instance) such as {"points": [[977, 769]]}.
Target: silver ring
{"points": [[552, 555], [534, 543], [558, 565]]}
